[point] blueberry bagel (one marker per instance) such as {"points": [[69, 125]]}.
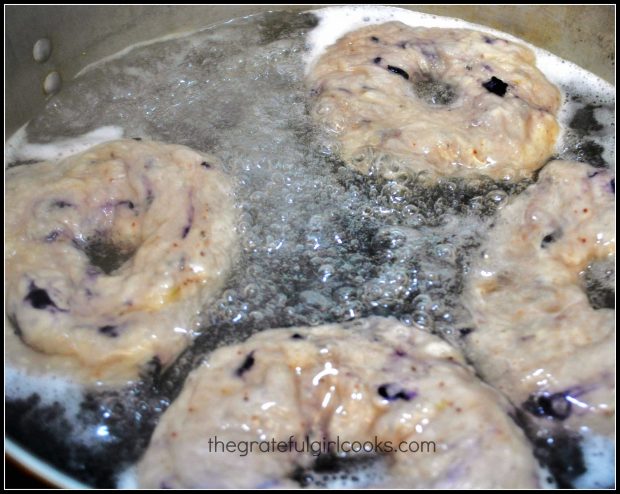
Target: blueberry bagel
{"points": [[109, 255], [360, 384], [538, 335], [451, 102]]}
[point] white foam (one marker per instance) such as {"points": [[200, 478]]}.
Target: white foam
{"points": [[599, 458], [127, 479], [19, 384], [17, 148], [55, 390], [545, 478]]}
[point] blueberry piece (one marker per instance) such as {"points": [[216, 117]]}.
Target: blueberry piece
{"points": [[52, 236], [374, 39], [150, 197], [612, 184], [39, 298], [392, 392], [550, 238], [495, 86], [398, 71], [109, 331], [554, 405], [246, 366], [547, 239], [465, 331], [206, 165], [377, 60], [186, 230], [297, 336]]}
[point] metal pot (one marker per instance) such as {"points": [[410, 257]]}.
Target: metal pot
{"points": [[46, 45]]}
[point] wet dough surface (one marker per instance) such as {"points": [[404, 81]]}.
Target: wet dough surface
{"points": [[110, 254], [373, 378], [536, 334], [451, 102]]}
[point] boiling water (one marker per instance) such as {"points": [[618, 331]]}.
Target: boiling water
{"points": [[320, 243]]}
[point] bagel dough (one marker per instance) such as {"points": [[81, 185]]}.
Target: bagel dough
{"points": [[369, 380], [451, 102], [536, 337], [110, 254]]}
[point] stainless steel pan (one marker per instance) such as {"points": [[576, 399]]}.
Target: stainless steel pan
{"points": [[46, 45]]}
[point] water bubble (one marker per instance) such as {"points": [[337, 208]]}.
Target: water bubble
{"points": [[256, 316], [423, 303], [406, 319], [230, 296], [314, 299], [476, 204], [325, 272], [345, 294], [422, 320], [251, 291], [373, 291], [447, 252], [395, 193], [496, 197]]}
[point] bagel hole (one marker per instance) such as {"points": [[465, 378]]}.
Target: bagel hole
{"points": [[331, 470], [434, 92], [599, 281], [107, 254]]}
